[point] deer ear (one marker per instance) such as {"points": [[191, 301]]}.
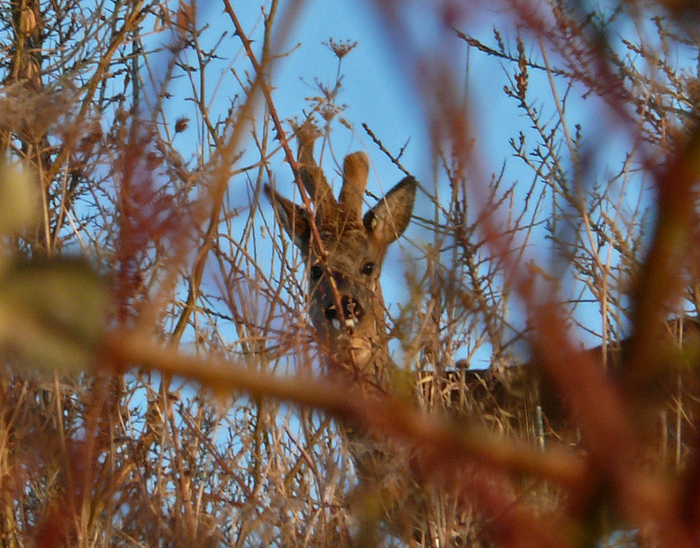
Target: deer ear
{"points": [[294, 218], [387, 220]]}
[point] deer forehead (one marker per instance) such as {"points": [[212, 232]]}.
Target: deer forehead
{"points": [[350, 250]]}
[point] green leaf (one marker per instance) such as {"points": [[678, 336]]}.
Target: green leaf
{"points": [[52, 313], [19, 198]]}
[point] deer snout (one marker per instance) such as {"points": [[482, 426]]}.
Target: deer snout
{"points": [[352, 314]]}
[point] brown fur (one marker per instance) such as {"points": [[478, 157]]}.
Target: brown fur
{"points": [[345, 299]]}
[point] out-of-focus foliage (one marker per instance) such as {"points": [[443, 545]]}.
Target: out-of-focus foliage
{"points": [[138, 256]]}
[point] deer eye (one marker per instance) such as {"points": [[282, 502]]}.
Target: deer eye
{"points": [[367, 269], [315, 272]]}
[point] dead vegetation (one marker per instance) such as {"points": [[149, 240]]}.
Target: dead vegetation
{"points": [[161, 384]]}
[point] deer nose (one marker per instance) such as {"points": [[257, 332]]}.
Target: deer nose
{"points": [[352, 313]]}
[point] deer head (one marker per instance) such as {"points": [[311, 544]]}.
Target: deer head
{"points": [[343, 266]]}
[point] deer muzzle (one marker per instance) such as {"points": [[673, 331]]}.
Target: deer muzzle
{"points": [[352, 313]]}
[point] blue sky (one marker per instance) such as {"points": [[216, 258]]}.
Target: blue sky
{"points": [[380, 90], [376, 91]]}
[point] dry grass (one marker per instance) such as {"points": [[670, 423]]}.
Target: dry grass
{"points": [[176, 398]]}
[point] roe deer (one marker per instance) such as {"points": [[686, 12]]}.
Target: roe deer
{"points": [[345, 300], [344, 251]]}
